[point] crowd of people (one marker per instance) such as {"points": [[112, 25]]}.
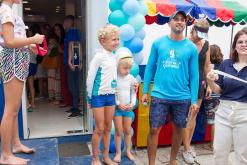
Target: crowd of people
{"points": [[187, 66], [57, 80]]}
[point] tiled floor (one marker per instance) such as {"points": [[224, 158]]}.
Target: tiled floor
{"points": [[48, 120]]}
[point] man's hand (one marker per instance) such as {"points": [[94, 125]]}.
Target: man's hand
{"points": [[72, 67], [208, 92], [194, 109], [144, 99]]}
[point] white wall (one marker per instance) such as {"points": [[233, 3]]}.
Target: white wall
{"points": [[97, 13]]}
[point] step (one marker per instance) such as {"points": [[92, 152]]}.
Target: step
{"points": [[46, 152]]}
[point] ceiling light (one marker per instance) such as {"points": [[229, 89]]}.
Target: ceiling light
{"points": [[58, 7], [28, 8], [25, 2]]}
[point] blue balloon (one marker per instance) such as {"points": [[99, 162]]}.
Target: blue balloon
{"points": [[138, 58], [135, 45], [127, 32], [133, 116], [123, 49], [121, 1], [117, 18], [141, 34], [112, 147], [135, 106], [115, 5], [130, 7], [134, 70], [143, 9], [137, 21]]}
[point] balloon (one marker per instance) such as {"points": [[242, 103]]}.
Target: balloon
{"points": [[141, 34], [123, 49], [138, 58], [120, 1], [115, 5], [118, 18], [130, 7], [127, 32], [134, 70], [135, 45], [133, 116], [112, 128], [137, 21], [112, 148], [135, 106], [143, 9]]}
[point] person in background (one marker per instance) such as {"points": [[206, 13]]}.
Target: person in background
{"points": [[101, 88], [230, 118], [198, 36], [30, 79], [211, 104], [74, 72], [125, 100], [14, 65], [173, 63]]}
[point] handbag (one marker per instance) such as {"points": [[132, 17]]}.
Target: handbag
{"points": [[51, 62]]}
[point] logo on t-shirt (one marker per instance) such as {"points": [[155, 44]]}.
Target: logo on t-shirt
{"points": [[172, 61]]}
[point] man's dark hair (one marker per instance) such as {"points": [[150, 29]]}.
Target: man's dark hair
{"points": [[69, 17]]}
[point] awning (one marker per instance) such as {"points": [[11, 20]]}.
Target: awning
{"points": [[159, 11], [218, 12]]}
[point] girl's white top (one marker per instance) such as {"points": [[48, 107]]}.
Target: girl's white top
{"points": [[8, 15], [125, 93], [102, 74]]}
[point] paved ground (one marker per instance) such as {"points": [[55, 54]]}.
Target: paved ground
{"points": [[204, 156]]}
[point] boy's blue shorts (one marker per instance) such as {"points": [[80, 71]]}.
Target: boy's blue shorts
{"points": [[103, 101]]}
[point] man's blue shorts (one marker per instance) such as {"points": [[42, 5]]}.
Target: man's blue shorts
{"points": [[103, 101], [123, 113], [160, 108]]}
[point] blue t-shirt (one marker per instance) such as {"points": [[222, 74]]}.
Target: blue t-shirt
{"points": [[232, 89], [174, 66], [72, 35]]}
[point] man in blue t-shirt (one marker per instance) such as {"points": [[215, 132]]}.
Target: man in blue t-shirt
{"points": [[74, 70], [173, 65]]}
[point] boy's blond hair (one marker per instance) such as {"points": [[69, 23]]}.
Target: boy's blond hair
{"points": [[202, 23], [107, 30], [127, 61]]}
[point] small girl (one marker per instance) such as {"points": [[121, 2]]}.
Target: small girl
{"points": [[101, 87], [125, 100], [212, 103], [14, 64]]}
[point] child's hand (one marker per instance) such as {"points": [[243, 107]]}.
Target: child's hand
{"points": [[38, 39], [122, 106], [130, 107]]}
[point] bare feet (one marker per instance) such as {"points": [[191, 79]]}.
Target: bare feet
{"points": [[23, 149], [130, 156], [174, 162], [117, 158], [108, 161], [96, 162], [13, 160]]}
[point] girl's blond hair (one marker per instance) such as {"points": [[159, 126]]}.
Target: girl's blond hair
{"points": [[107, 30], [127, 61]]}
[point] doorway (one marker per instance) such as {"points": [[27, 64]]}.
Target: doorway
{"points": [[48, 119]]}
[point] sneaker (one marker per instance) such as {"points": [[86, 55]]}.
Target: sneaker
{"points": [[188, 158], [72, 115], [192, 152], [69, 111]]}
